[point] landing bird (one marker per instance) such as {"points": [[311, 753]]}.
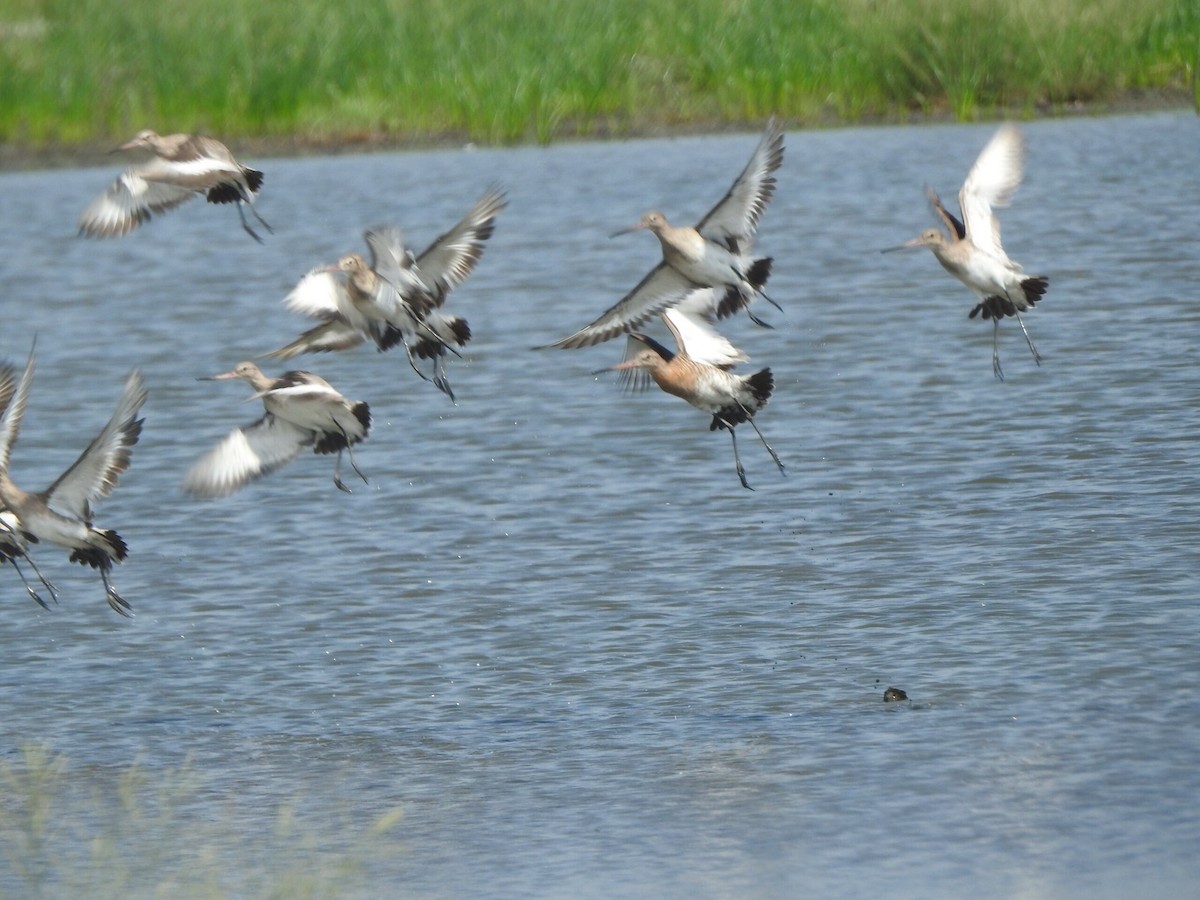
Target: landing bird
{"points": [[62, 514], [716, 253], [302, 410], [395, 297], [972, 253], [700, 374], [183, 165]]}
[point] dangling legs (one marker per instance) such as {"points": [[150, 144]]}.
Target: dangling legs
{"points": [[42, 578], [999, 373], [770, 449], [439, 376], [248, 199], [737, 459], [32, 593], [337, 467], [1037, 357], [115, 600]]}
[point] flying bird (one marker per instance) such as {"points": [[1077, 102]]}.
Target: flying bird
{"points": [[972, 252], [714, 254], [395, 297], [700, 373], [302, 410], [62, 514], [183, 166]]}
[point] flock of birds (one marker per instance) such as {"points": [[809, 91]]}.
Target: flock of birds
{"points": [[393, 296]]}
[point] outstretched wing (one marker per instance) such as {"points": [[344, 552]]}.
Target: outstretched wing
{"points": [[662, 288], [991, 183], [128, 202], [14, 409], [244, 455], [448, 261], [734, 220], [95, 473], [336, 334]]}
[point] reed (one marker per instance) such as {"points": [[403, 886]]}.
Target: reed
{"points": [[76, 831], [82, 71]]}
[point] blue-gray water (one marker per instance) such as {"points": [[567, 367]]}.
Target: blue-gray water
{"points": [[554, 635]]}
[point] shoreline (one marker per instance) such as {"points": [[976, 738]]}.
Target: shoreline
{"points": [[23, 158]]}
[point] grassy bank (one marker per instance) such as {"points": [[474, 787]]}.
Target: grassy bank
{"points": [[80, 71]]}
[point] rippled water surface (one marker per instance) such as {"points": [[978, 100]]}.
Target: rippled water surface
{"points": [[554, 646]]}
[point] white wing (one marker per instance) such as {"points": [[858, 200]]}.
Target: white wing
{"points": [[734, 220], [991, 183], [245, 454], [319, 295], [692, 324], [128, 202]]}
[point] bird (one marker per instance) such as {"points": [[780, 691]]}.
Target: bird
{"points": [[62, 514], [183, 165], [302, 410], [716, 253], [700, 373], [972, 252], [395, 297]]}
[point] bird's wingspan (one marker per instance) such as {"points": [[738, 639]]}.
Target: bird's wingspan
{"points": [[244, 455], [991, 183], [734, 220], [448, 261], [94, 474], [662, 288]]}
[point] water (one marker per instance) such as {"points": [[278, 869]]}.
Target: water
{"points": [[553, 642]]}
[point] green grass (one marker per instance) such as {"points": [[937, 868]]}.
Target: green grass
{"points": [[68, 831], [81, 71]]}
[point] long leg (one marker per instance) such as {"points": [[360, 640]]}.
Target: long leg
{"points": [[412, 362], [439, 376], [115, 600], [42, 578], [246, 225], [1037, 357], [337, 468], [248, 197], [737, 458], [770, 449], [763, 294], [999, 373], [34, 595]]}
